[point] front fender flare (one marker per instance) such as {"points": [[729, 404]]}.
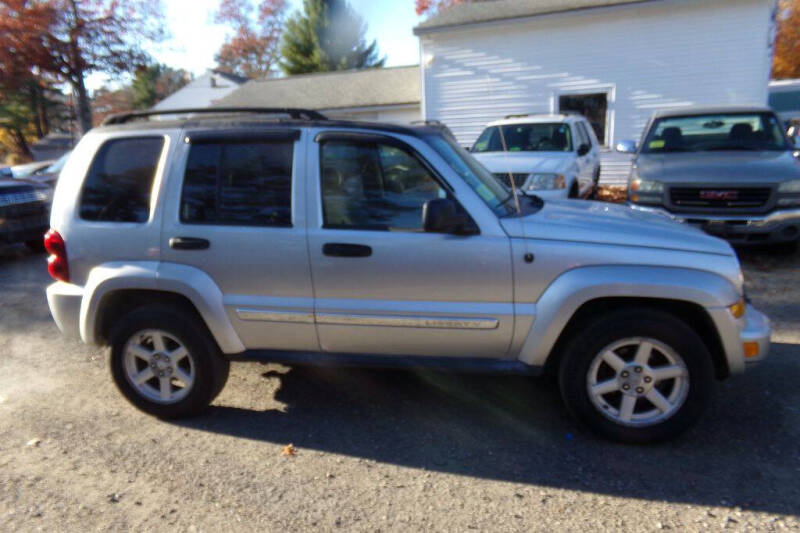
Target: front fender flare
{"points": [[567, 293]]}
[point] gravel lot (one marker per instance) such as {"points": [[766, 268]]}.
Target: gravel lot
{"points": [[379, 450]]}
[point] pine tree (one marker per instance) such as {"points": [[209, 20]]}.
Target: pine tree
{"points": [[327, 35]]}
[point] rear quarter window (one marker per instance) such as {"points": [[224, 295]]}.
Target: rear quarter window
{"points": [[119, 183]]}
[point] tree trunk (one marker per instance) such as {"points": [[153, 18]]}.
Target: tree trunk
{"points": [[84, 110], [76, 80], [19, 140], [35, 99]]}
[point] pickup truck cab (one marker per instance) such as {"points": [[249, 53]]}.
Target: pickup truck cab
{"points": [[183, 244], [730, 171]]}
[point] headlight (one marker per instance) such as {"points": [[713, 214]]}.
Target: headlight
{"points": [[545, 181], [790, 186], [791, 190], [645, 191], [647, 186]]}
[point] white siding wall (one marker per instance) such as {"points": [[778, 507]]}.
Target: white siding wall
{"points": [[647, 56]]}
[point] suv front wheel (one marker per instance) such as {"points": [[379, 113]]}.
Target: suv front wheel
{"points": [[638, 375], [165, 363]]}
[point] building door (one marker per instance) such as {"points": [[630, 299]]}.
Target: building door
{"points": [[593, 106]]}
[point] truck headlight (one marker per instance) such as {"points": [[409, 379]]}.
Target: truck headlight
{"points": [[645, 191], [538, 181], [792, 186], [789, 193]]}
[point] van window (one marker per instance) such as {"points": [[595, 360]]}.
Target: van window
{"points": [[120, 180], [243, 183]]}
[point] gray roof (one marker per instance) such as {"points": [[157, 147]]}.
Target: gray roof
{"points": [[331, 90], [202, 91], [476, 11], [709, 110]]}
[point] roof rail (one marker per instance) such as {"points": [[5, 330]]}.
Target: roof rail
{"points": [[295, 113]]}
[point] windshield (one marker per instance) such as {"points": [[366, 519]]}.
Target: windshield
{"points": [[727, 131], [492, 192], [544, 137]]}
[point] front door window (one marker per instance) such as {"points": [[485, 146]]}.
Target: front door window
{"points": [[374, 186]]}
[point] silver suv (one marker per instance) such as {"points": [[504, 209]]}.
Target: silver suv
{"points": [[296, 239]]}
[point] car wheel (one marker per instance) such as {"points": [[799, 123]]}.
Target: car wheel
{"points": [[165, 363], [636, 376]]}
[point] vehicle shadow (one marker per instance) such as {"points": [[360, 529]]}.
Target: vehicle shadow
{"points": [[744, 453]]}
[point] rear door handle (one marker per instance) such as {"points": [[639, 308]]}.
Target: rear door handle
{"points": [[338, 249], [188, 243]]}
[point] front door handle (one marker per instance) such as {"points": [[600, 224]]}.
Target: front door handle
{"points": [[338, 249], [188, 243]]}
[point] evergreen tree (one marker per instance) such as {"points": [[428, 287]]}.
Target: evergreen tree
{"points": [[327, 35]]}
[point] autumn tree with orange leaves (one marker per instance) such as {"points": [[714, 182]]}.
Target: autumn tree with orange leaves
{"points": [[786, 61], [67, 40], [252, 50], [431, 7]]}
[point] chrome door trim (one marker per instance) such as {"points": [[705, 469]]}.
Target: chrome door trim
{"points": [[435, 322], [266, 315]]}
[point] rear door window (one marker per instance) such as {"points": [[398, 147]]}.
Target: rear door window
{"points": [[242, 183], [119, 183]]}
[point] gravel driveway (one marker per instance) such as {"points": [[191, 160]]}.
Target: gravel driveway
{"points": [[379, 450]]}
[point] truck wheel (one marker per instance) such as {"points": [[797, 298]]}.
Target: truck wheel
{"points": [[573, 191], [637, 376], [165, 363]]}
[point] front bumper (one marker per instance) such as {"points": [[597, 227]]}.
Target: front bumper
{"points": [[756, 330], [737, 334], [776, 227]]}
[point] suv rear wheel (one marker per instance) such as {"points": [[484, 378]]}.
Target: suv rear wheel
{"points": [[165, 363], [637, 376]]}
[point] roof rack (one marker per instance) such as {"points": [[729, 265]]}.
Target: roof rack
{"points": [[295, 113]]}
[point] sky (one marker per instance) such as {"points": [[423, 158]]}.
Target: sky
{"points": [[195, 38]]}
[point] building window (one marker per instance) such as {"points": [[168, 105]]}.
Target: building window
{"points": [[593, 106]]}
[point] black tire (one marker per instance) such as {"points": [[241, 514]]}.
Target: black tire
{"points": [[573, 191], [595, 185], [592, 338], [785, 248], [35, 245], [210, 366]]}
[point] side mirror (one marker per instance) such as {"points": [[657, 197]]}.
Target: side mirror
{"points": [[583, 149], [626, 147], [443, 215]]}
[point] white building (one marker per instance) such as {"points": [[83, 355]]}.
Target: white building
{"points": [[617, 61], [202, 91]]}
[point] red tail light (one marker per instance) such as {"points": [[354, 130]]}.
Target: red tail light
{"points": [[57, 264]]}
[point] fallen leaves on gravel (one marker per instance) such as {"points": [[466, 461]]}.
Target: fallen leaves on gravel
{"points": [[289, 449]]}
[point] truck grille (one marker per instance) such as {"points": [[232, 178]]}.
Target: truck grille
{"points": [[519, 179], [727, 197]]}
